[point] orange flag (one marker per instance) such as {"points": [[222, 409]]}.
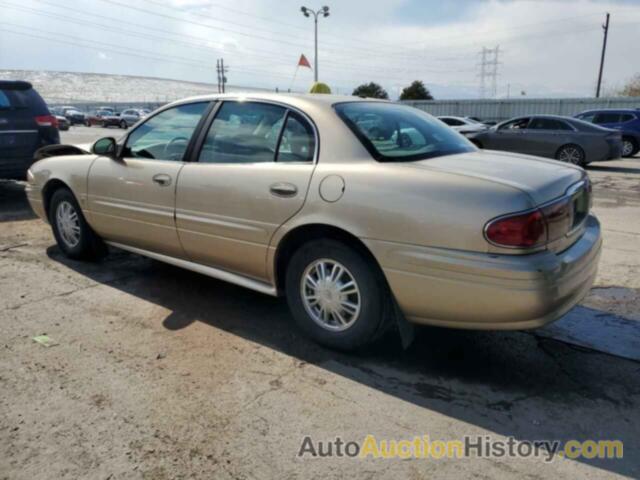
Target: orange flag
{"points": [[303, 62]]}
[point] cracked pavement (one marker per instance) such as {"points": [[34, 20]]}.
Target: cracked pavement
{"points": [[162, 373]]}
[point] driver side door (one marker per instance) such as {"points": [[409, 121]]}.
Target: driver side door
{"points": [[131, 199]]}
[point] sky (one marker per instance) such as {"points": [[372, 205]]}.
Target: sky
{"points": [[546, 47]]}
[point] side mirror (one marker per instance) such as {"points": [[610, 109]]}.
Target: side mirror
{"points": [[105, 147]]}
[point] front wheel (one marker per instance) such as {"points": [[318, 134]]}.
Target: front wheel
{"points": [[336, 295], [571, 154], [73, 234], [123, 124]]}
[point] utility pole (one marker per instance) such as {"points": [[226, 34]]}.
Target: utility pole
{"points": [[222, 77], [218, 73], [605, 27]]}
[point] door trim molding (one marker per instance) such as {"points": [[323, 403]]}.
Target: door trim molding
{"points": [[203, 269]]}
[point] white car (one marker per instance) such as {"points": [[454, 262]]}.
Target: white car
{"points": [[463, 125]]}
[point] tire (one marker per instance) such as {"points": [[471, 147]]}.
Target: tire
{"points": [[124, 125], [361, 325], [572, 154], [82, 243], [88, 123], [477, 143], [629, 147]]}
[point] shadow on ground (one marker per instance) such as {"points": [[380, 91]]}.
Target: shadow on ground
{"points": [[14, 202], [512, 383]]}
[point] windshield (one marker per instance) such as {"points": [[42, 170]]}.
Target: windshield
{"points": [[392, 132]]}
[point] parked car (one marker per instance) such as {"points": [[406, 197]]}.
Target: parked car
{"points": [[75, 117], [463, 125], [563, 138], [131, 116], [63, 123], [488, 123], [627, 121], [25, 125], [103, 118], [362, 212], [111, 110]]}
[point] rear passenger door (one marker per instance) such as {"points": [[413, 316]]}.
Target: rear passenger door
{"points": [[251, 175], [546, 135]]}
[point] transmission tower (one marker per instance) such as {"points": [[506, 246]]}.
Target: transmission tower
{"points": [[489, 61]]}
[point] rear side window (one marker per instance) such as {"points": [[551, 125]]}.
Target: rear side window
{"points": [[607, 118], [244, 132], [548, 124], [298, 143], [399, 133], [4, 100], [626, 117]]}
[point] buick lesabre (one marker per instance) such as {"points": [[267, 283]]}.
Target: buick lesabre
{"points": [[362, 213]]}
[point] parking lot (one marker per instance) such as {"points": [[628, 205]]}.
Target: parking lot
{"points": [[162, 373]]}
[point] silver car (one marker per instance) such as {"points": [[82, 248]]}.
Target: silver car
{"points": [[364, 214], [132, 116], [563, 138]]}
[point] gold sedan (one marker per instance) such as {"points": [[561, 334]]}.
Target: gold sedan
{"points": [[363, 213]]}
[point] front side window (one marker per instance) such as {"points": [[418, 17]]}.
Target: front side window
{"points": [[165, 136], [517, 124], [243, 132], [452, 122], [399, 133], [587, 117], [626, 117]]}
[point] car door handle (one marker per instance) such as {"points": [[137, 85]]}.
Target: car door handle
{"points": [[162, 179], [283, 189]]}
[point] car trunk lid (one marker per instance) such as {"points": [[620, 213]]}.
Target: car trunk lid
{"points": [[543, 180]]}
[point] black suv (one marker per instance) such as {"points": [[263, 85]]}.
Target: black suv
{"points": [[25, 126]]}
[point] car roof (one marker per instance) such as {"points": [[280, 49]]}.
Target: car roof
{"points": [[15, 85], [612, 110], [306, 100]]}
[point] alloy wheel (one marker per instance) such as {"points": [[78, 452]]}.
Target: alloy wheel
{"points": [[330, 294], [68, 223], [627, 148], [570, 155]]}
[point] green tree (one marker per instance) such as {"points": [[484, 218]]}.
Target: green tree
{"points": [[370, 90], [632, 88], [416, 91]]}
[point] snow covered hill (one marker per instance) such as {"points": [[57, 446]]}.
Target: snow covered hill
{"points": [[74, 88]]}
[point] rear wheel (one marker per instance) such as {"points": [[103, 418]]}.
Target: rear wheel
{"points": [[629, 147], [73, 234], [336, 296], [88, 123], [571, 154], [123, 124]]}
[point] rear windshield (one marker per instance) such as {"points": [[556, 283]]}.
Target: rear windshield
{"points": [[22, 99], [392, 132]]}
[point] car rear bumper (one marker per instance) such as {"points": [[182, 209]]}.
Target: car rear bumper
{"points": [[483, 291]]}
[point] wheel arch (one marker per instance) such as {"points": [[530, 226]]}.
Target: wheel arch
{"points": [[49, 189], [302, 234]]}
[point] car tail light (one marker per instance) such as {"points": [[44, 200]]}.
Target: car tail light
{"points": [[47, 121], [559, 218], [518, 231], [547, 223]]}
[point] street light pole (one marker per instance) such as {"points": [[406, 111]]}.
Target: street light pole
{"points": [[324, 11]]}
